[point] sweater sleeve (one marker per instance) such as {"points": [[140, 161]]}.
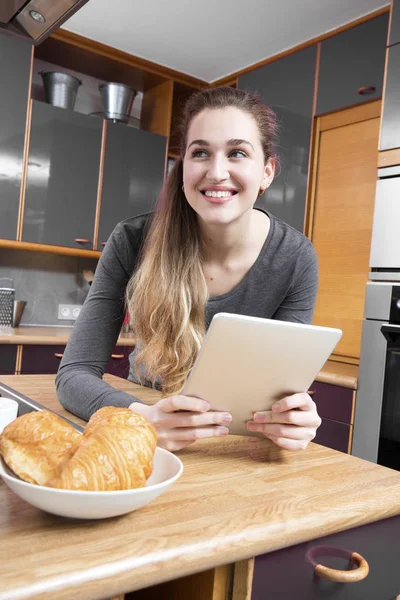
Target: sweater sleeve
{"points": [[299, 303], [79, 384]]}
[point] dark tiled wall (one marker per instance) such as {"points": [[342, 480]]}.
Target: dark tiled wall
{"points": [[44, 281]]}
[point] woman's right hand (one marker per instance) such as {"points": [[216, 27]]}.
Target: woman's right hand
{"points": [[181, 420]]}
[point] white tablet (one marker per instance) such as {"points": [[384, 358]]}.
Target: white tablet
{"points": [[246, 364]]}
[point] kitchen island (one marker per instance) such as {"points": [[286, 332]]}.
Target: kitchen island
{"points": [[238, 498]]}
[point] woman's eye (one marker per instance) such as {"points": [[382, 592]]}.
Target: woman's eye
{"points": [[199, 154], [237, 154]]}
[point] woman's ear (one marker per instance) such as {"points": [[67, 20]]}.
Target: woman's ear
{"points": [[269, 173]]}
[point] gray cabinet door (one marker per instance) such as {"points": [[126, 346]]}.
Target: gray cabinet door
{"points": [[395, 23], [350, 62], [287, 85], [390, 125], [62, 178], [15, 58], [134, 166]]}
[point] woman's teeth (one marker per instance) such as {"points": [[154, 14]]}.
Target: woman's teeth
{"points": [[218, 194]]}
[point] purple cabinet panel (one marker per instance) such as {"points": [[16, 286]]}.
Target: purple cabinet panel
{"points": [[288, 574], [333, 401], [334, 435], [118, 364], [41, 359], [8, 358]]}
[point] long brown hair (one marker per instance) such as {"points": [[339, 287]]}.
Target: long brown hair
{"points": [[167, 294]]}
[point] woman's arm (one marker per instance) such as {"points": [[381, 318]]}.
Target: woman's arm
{"points": [[298, 305], [79, 384]]}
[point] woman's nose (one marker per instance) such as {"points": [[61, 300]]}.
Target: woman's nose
{"points": [[218, 170]]}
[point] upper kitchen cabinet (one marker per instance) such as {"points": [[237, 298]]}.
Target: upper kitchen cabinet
{"points": [[15, 58], [352, 65], [394, 37], [390, 123], [287, 85], [62, 177], [133, 175]]}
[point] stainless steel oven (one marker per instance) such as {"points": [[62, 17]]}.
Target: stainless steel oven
{"points": [[377, 416]]}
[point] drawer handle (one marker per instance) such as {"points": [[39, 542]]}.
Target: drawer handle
{"points": [[311, 392], [58, 355], [338, 575], [103, 243], [82, 241], [117, 355], [365, 90]]}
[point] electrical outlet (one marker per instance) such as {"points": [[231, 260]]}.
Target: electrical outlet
{"points": [[68, 312]]}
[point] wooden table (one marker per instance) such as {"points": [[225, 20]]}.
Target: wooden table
{"points": [[238, 497]]}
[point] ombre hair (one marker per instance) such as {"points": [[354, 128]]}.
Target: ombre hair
{"points": [[167, 295]]}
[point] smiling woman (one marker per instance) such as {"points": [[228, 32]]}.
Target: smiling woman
{"points": [[205, 250]]}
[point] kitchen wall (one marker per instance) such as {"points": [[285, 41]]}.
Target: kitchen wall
{"points": [[44, 281]]}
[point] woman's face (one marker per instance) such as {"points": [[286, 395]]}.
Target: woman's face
{"points": [[223, 166]]}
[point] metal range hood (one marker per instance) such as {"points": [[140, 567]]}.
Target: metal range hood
{"points": [[36, 19]]}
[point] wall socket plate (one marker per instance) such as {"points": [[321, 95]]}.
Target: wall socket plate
{"points": [[69, 312]]}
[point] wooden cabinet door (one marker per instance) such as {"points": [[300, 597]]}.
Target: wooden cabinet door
{"points": [[118, 364], [41, 359], [289, 574], [341, 227], [287, 85], [62, 177], [8, 359], [15, 58], [394, 37], [390, 127], [133, 175], [351, 62]]}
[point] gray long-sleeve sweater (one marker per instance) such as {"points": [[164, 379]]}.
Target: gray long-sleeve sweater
{"points": [[282, 284]]}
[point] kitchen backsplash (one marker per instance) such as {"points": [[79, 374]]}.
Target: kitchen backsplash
{"points": [[44, 281]]}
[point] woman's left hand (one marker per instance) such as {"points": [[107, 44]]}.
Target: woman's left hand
{"points": [[291, 423]]}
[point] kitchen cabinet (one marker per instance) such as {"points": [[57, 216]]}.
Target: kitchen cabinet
{"points": [[15, 58], [133, 175], [335, 405], [287, 85], [41, 359], [390, 125], [8, 359], [62, 177], [394, 37], [352, 65], [46, 360], [288, 573]]}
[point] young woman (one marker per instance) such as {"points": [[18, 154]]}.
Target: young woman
{"points": [[204, 250]]}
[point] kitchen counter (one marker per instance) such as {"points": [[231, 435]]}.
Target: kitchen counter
{"points": [[48, 336], [333, 372], [238, 497]]}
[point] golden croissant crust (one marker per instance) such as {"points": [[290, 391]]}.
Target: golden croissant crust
{"points": [[115, 451], [35, 445]]}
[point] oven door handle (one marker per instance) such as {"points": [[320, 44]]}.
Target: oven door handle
{"points": [[391, 332]]}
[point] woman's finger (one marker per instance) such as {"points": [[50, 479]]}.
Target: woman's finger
{"points": [[300, 401], [189, 419], [178, 402], [289, 444], [302, 418], [292, 432], [193, 433]]}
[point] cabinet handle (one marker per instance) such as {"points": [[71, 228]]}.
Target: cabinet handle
{"points": [[311, 392], [103, 243], [82, 241], [117, 355], [365, 90], [58, 355], [338, 575]]}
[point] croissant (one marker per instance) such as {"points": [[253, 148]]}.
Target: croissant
{"points": [[36, 445], [115, 453]]}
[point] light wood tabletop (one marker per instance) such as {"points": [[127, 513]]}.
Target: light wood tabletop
{"points": [[44, 336], [238, 497]]}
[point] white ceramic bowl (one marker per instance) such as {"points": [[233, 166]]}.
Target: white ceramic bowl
{"points": [[8, 412], [97, 505]]}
